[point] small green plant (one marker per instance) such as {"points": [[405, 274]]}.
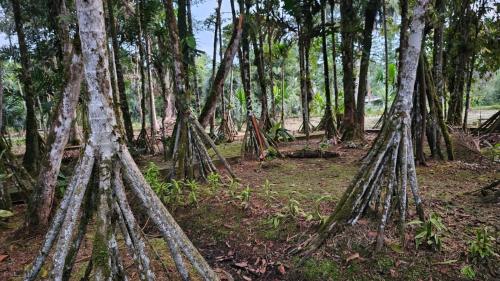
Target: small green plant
{"points": [[152, 176], [5, 214], [430, 232], [268, 193], [293, 208], [272, 153], [174, 193], [232, 186], [193, 192], [468, 272], [276, 220], [324, 145], [317, 212], [214, 180], [244, 197], [482, 246]]}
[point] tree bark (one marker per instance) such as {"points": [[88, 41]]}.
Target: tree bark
{"points": [[258, 49], [334, 62], [127, 119], [43, 193], [5, 201], [224, 68], [370, 13], [31, 157], [347, 15], [328, 119]]}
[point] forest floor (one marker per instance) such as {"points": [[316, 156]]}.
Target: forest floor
{"points": [[247, 228]]}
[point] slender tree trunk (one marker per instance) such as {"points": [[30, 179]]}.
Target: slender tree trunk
{"points": [[334, 62], [127, 119], [467, 95], [437, 67], [304, 90], [348, 14], [257, 42], [370, 13], [283, 94], [328, 119], [152, 104], [5, 201], [32, 155], [271, 71], [218, 81], [386, 61], [192, 57]]}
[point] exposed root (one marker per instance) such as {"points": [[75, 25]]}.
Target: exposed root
{"points": [[114, 217], [227, 130], [190, 157], [255, 143], [144, 142]]}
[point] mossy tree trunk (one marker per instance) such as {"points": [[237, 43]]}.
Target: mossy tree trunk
{"points": [[388, 168], [328, 122], [370, 13], [347, 23], [31, 159], [41, 205], [107, 159], [127, 119], [217, 86]]}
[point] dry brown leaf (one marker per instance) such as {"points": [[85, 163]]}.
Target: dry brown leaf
{"points": [[3, 257], [281, 269], [353, 257], [242, 264], [246, 278]]}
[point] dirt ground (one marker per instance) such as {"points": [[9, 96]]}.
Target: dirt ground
{"points": [[247, 229]]}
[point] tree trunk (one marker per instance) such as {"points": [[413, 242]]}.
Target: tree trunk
{"points": [[32, 155], [348, 14], [105, 152], [388, 167], [5, 201], [271, 71], [41, 207], [224, 68], [283, 94], [152, 104], [328, 121], [265, 122], [192, 60], [304, 90], [370, 13], [437, 66], [467, 93], [334, 62], [127, 119]]}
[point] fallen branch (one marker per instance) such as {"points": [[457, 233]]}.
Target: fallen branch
{"points": [[308, 153]]}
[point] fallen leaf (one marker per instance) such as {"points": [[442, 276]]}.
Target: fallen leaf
{"points": [[3, 257], [353, 257], [246, 278], [242, 264], [281, 269]]}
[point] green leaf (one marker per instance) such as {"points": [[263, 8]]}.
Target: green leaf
{"points": [[6, 214]]}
